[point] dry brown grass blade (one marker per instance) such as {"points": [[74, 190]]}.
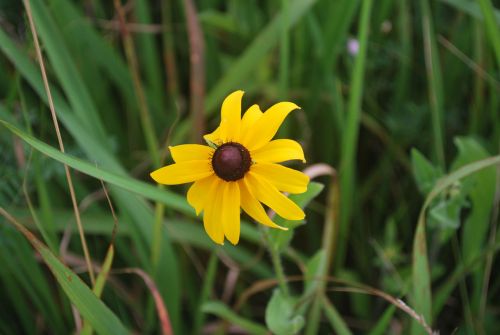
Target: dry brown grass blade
{"points": [[266, 284], [161, 309], [59, 140], [197, 76]]}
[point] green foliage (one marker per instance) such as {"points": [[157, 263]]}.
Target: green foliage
{"points": [[418, 224]]}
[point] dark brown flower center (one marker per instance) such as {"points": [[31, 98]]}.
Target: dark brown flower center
{"points": [[231, 161]]}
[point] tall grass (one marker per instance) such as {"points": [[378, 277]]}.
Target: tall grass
{"points": [[401, 229]]}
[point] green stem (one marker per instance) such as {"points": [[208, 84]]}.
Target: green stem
{"points": [[277, 264], [280, 273]]}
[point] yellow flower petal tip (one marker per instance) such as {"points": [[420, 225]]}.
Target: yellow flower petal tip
{"points": [[239, 170]]}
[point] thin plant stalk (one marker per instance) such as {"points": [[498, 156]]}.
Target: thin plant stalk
{"points": [[277, 264], [147, 126], [60, 141], [434, 76]]}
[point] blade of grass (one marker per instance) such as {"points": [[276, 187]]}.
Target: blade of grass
{"points": [[435, 81], [255, 52], [492, 27], [336, 321], [471, 8], [350, 135], [137, 210], [72, 83], [60, 141], [170, 199], [208, 286], [108, 261], [197, 71], [92, 309], [420, 263]]}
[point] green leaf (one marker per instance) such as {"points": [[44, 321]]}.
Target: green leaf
{"points": [[66, 70], [425, 173], [480, 188], [280, 238], [338, 324], [280, 315], [170, 199], [420, 263]]}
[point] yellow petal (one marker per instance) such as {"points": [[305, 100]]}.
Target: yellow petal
{"points": [[200, 192], [231, 117], [264, 129], [183, 172], [190, 152], [214, 137], [212, 216], [268, 194], [253, 207], [283, 178], [249, 118], [278, 151], [231, 212]]}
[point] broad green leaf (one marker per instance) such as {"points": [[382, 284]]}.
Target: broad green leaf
{"points": [[425, 173], [281, 318], [480, 188]]}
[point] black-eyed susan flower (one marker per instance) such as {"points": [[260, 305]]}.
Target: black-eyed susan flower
{"points": [[238, 169]]}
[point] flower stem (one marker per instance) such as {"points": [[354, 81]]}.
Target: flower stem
{"points": [[277, 264]]}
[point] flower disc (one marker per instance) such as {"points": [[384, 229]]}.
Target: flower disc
{"points": [[231, 161]]}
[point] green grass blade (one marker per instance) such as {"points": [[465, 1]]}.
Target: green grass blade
{"points": [[435, 81], [492, 27], [100, 282], [92, 309], [66, 71], [262, 44], [420, 267], [471, 8], [170, 199], [350, 135], [335, 319]]}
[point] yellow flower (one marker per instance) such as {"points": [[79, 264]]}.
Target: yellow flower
{"points": [[239, 170]]}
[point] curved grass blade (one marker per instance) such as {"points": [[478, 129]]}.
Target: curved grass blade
{"points": [[256, 51], [170, 199], [103, 320], [420, 267]]}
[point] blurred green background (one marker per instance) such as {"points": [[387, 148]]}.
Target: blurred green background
{"points": [[399, 97]]}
